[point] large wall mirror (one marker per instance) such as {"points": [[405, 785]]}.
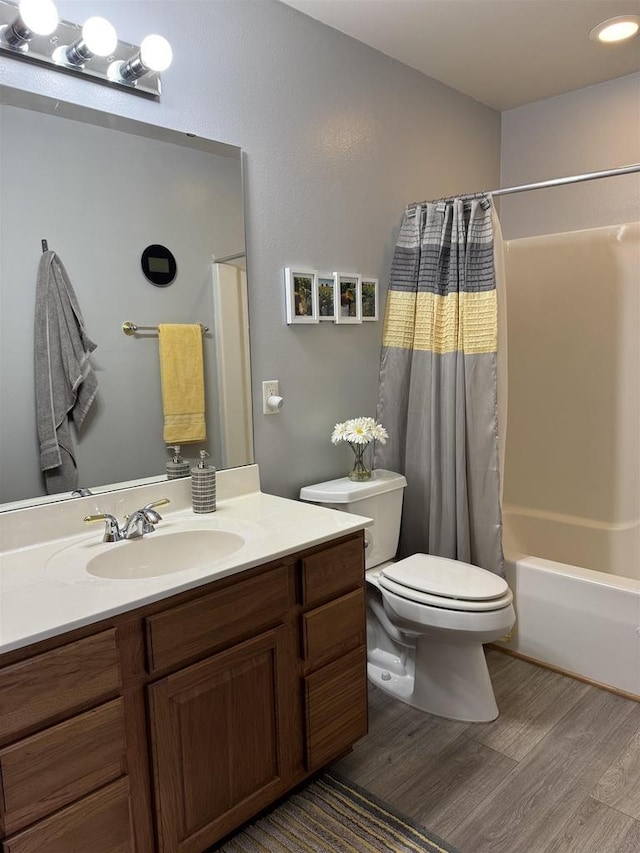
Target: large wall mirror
{"points": [[100, 189]]}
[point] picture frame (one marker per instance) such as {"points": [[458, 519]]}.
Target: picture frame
{"points": [[369, 298], [326, 297], [347, 298], [301, 295]]}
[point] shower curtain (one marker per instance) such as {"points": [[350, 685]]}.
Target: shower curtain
{"points": [[439, 385]]}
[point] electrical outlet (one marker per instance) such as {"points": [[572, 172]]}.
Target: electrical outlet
{"points": [[270, 388]]}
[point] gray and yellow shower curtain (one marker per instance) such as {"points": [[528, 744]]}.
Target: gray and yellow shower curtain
{"points": [[438, 392]]}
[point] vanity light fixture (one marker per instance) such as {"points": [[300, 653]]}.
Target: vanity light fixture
{"points": [[31, 31], [616, 30]]}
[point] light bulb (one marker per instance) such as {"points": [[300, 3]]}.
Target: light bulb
{"points": [[40, 16], [156, 53], [616, 29], [99, 36], [619, 32]]}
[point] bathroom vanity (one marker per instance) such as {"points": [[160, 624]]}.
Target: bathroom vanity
{"points": [[167, 724]]}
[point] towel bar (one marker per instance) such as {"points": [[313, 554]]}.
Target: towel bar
{"points": [[130, 328]]}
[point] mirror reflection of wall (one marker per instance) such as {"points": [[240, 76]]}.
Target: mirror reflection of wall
{"points": [[100, 196]]}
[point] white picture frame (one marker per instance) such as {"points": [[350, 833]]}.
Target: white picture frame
{"points": [[326, 297], [369, 298], [301, 295], [347, 298]]}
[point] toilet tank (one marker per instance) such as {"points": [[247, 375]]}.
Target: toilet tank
{"points": [[379, 498]]}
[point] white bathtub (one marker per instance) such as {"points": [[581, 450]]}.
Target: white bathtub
{"points": [[582, 621]]}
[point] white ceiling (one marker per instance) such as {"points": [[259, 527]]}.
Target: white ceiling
{"points": [[504, 53]]}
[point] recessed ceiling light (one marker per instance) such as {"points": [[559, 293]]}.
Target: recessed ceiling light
{"points": [[616, 29]]}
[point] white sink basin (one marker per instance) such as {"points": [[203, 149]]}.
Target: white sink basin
{"points": [[155, 555], [151, 557]]}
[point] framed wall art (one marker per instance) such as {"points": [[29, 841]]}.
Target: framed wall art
{"points": [[369, 298], [347, 298], [301, 295], [326, 300]]}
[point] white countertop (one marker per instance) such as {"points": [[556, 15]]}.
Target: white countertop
{"points": [[42, 595]]}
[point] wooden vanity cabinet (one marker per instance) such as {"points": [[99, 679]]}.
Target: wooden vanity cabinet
{"points": [[164, 729]]}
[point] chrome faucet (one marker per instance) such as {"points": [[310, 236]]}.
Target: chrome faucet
{"points": [[135, 525]]}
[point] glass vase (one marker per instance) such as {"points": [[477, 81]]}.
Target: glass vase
{"points": [[359, 471]]}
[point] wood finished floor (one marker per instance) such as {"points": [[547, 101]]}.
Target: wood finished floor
{"points": [[557, 772]]}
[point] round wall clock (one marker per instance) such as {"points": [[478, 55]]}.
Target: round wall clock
{"points": [[158, 265]]}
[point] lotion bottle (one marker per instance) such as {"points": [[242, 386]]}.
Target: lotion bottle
{"points": [[203, 485], [176, 467]]}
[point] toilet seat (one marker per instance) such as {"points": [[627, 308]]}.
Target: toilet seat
{"points": [[446, 603], [445, 583]]}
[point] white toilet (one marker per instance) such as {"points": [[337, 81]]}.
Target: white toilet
{"points": [[427, 617]]}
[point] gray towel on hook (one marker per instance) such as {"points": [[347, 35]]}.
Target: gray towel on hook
{"points": [[65, 382]]}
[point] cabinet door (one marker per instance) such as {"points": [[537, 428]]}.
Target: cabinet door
{"points": [[219, 735]]}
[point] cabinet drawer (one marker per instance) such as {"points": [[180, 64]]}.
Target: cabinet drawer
{"points": [[334, 627], [336, 708], [217, 619], [43, 773], [61, 681], [100, 823], [333, 571]]}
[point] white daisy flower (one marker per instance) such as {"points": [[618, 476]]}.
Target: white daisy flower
{"points": [[379, 433], [359, 431], [339, 433]]}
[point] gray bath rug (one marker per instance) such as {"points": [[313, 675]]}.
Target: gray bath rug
{"points": [[331, 815]]}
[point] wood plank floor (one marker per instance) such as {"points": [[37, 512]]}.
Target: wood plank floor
{"points": [[557, 772]]}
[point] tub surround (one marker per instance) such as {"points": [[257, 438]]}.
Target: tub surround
{"points": [[612, 549], [182, 705], [38, 600], [571, 513]]}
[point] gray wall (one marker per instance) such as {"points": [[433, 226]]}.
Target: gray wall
{"points": [[338, 138], [589, 130]]}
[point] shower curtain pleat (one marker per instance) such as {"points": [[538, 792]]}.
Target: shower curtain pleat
{"points": [[438, 382]]}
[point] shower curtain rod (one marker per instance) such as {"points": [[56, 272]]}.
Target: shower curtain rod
{"points": [[554, 182]]}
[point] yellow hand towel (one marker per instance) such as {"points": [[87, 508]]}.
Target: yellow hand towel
{"points": [[182, 378]]}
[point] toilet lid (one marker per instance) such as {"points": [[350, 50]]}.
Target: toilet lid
{"points": [[443, 603], [439, 576]]}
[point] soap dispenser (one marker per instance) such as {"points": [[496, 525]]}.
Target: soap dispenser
{"points": [[176, 467], [203, 485]]}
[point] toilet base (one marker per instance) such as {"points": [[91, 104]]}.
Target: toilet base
{"points": [[398, 685], [453, 680]]}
